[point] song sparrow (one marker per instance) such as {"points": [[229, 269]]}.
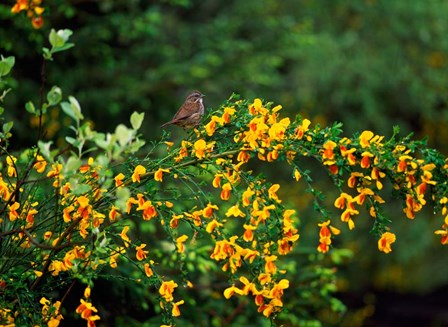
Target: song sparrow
{"points": [[190, 113]]}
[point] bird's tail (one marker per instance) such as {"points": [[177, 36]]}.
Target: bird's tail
{"points": [[166, 124]]}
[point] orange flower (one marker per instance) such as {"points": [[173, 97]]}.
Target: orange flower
{"points": [[384, 243], [225, 193], [365, 161], [119, 179], [217, 181], [228, 292], [228, 112], [325, 233], [148, 270], [207, 212], [175, 311], [141, 254], [124, 236], [269, 266], [348, 153], [40, 164], [86, 310], [247, 194], [166, 290], [158, 175], [300, 131], [13, 214], [211, 226], [149, 211], [328, 151], [248, 234], [113, 213]]}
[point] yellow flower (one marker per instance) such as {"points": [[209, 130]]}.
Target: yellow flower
{"points": [[217, 181], [384, 243], [300, 131], [149, 211], [273, 193], [200, 146], [11, 162], [140, 253], [40, 164], [211, 226], [124, 236], [138, 171], [175, 311], [158, 175], [85, 309], [166, 290], [211, 126], [13, 214], [297, 175], [119, 179], [364, 138], [235, 211], [228, 112], [19, 6], [148, 270], [87, 292], [325, 233], [180, 243], [83, 201], [257, 108], [228, 292], [113, 213], [247, 194], [55, 170], [207, 212], [248, 232], [328, 152], [269, 267]]}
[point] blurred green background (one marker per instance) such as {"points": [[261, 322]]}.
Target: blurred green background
{"points": [[369, 64]]}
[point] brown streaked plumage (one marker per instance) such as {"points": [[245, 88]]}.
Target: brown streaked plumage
{"points": [[190, 113]]}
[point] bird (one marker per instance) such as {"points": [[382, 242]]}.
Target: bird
{"points": [[190, 113]]}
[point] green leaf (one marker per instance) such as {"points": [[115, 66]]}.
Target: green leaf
{"points": [[135, 146], [55, 39], [45, 149], [124, 134], [7, 127], [73, 164], [123, 195], [47, 54], [67, 108], [64, 47], [72, 109], [29, 106], [76, 107], [137, 119], [59, 38], [54, 96], [80, 189], [6, 65], [70, 140]]}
